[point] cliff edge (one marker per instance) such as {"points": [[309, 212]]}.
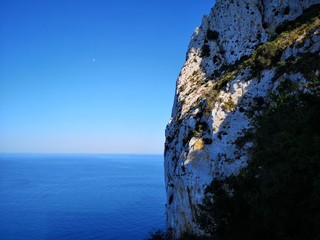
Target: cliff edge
{"points": [[237, 61]]}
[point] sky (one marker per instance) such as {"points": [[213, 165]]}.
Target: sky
{"points": [[91, 76]]}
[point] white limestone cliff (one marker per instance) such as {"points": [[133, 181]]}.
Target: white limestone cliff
{"points": [[207, 135]]}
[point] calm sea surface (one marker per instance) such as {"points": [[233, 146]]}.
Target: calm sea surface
{"points": [[79, 197]]}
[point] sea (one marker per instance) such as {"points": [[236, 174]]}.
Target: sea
{"points": [[81, 196]]}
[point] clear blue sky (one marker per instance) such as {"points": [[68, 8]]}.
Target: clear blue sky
{"points": [[91, 76]]}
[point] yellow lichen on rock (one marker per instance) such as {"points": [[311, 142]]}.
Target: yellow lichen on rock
{"points": [[198, 145]]}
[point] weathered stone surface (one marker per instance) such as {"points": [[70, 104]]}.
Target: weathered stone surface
{"points": [[208, 135]]}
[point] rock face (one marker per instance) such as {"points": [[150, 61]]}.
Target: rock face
{"points": [[236, 59]]}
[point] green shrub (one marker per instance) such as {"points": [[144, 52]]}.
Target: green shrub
{"points": [[205, 51], [247, 137], [312, 12], [211, 98], [229, 105], [266, 55], [307, 63], [207, 141], [188, 137], [201, 127], [212, 35], [278, 195]]}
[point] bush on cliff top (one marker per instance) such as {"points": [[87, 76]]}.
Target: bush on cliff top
{"points": [[212, 35]]}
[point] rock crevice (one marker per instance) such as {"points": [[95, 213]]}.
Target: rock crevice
{"points": [[236, 58]]}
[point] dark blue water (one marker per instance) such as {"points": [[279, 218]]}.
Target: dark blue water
{"points": [[80, 196]]}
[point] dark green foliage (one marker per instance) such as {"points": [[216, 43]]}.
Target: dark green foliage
{"points": [[210, 99], [207, 141], [187, 138], [201, 127], [198, 131], [247, 137], [313, 11], [188, 236], [267, 54], [278, 195], [169, 139], [205, 51], [286, 11], [229, 105], [307, 64], [212, 35]]}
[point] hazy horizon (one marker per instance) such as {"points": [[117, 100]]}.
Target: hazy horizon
{"points": [[78, 153]]}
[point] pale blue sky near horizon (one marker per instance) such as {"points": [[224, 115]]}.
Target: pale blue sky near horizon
{"points": [[91, 76]]}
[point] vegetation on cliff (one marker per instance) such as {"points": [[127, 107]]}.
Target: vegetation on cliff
{"points": [[278, 195]]}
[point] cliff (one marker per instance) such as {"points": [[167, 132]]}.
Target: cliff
{"points": [[237, 61]]}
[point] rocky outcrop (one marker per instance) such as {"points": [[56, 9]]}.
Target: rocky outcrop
{"points": [[237, 58]]}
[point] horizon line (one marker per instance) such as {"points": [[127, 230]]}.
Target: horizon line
{"points": [[81, 153]]}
